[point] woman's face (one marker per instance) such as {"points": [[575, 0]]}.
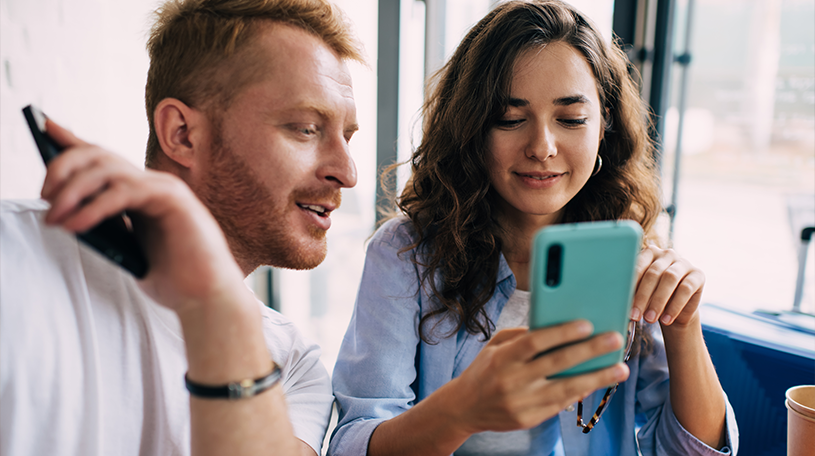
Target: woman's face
{"points": [[543, 150]]}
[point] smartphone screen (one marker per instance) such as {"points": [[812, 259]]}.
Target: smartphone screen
{"points": [[585, 271], [113, 237]]}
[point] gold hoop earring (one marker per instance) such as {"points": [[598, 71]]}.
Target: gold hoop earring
{"points": [[597, 165]]}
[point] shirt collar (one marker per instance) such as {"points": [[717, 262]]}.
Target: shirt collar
{"points": [[506, 279]]}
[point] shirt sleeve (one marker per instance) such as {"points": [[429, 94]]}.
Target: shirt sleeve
{"points": [[306, 384], [661, 433], [376, 364]]}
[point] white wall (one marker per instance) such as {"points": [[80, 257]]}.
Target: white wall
{"points": [[83, 62]]}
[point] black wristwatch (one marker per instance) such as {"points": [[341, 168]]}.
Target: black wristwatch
{"points": [[235, 390]]}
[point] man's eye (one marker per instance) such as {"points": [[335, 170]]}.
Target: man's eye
{"points": [[307, 130]]}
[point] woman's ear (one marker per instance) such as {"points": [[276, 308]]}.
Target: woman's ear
{"points": [[606, 125], [178, 130]]}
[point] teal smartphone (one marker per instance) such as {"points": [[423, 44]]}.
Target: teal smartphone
{"points": [[585, 271]]}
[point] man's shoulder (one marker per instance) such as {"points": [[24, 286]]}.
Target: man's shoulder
{"points": [[25, 235], [16, 205], [285, 341]]}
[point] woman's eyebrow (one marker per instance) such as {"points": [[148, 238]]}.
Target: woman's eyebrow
{"points": [[518, 102], [571, 99], [562, 101]]}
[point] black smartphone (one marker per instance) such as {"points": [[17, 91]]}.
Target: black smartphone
{"points": [[113, 237]]}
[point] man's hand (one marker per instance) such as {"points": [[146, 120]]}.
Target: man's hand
{"points": [[190, 262], [191, 272]]}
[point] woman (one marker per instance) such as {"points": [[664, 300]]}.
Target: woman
{"points": [[534, 121]]}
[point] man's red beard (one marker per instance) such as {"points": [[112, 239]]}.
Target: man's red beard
{"points": [[253, 221]]}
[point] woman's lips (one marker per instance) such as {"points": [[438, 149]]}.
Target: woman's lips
{"points": [[539, 180]]}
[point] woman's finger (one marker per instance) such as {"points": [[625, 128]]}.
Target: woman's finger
{"points": [[686, 297], [669, 279], [644, 260], [528, 346], [649, 281], [507, 334], [553, 395], [563, 358], [572, 389]]}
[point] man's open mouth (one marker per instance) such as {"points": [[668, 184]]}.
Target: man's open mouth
{"points": [[319, 210]]}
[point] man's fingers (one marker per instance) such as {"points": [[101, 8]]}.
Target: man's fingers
{"points": [[61, 167], [86, 175], [73, 161], [78, 190], [104, 205], [62, 136]]}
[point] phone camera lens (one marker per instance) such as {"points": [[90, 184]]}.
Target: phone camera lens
{"points": [[554, 259]]}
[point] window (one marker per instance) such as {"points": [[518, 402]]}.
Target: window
{"points": [[747, 171]]}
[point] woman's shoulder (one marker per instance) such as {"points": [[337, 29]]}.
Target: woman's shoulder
{"points": [[397, 232]]}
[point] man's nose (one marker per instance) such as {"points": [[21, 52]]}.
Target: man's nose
{"points": [[337, 165]]}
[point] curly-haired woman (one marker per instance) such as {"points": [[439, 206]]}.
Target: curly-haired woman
{"points": [[534, 121]]}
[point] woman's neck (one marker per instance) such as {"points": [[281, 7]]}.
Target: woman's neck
{"points": [[516, 241]]}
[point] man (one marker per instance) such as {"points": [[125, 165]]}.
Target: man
{"points": [[251, 109]]}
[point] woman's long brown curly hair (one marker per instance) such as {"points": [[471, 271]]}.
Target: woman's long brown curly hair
{"points": [[449, 198]]}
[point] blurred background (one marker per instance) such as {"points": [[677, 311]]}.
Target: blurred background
{"points": [[737, 78]]}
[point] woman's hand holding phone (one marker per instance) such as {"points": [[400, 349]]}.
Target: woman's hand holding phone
{"points": [[669, 288], [507, 387]]}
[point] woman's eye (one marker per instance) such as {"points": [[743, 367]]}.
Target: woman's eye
{"points": [[573, 122], [508, 123]]}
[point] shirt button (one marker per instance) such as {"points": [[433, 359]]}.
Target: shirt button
{"points": [[570, 408]]}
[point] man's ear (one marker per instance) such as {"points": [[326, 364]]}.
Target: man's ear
{"points": [[180, 130]]}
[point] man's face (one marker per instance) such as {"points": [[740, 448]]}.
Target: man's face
{"points": [[279, 154]]}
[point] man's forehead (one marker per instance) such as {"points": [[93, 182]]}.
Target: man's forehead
{"points": [[288, 53]]}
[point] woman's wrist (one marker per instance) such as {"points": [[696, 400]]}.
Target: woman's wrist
{"points": [[691, 328], [453, 408], [440, 419]]}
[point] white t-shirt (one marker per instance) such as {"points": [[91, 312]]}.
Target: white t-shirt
{"points": [[89, 365]]}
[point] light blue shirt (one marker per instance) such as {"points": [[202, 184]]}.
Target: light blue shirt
{"points": [[384, 368]]}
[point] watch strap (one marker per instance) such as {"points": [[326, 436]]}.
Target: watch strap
{"points": [[235, 390]]}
